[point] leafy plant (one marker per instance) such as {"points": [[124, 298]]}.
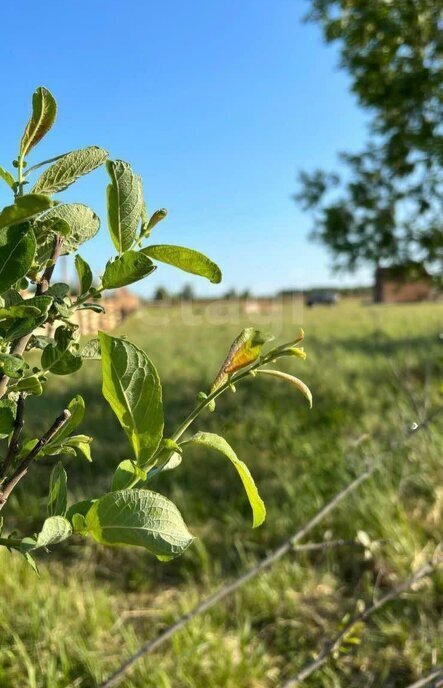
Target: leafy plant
{"points": [[37, 317]]}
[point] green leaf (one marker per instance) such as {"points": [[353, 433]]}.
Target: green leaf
{"points": [[17, 249], [81, 444], [58, 493], [76, 408], [24, 208], [59, 290], [30, 385], [125, 202], [59, 357], [141, 518], [20, 311], [13, 366], [304, 389], [80, 508], [186, 259], [91, 350], [18, 327], [131, 386], [55, 529], [208, 439], [173, 461], [84, 274], [7, 177], [67, 169], [130, 267], [44, 112], [127, 474], [148, 225], [83, 225], [244, 350], [7, 417]]}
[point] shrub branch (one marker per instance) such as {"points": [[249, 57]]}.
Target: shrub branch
{"points": [[23, 466]]}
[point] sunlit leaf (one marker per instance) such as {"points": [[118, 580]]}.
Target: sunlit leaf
{"points": [[68, 168], [128, 268], [131, 386], [58, 493], [127, 474], [185, 259], [84, 274], [298, 384], [75, 221], [125, 202], [208, 439], [141, 518], [44, 112], [24, 208], [7, 177], [244, 350]]}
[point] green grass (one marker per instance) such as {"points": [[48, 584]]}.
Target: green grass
{"points": [[372, 370]]}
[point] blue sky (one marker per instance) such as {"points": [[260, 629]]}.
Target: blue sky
{"points": [[216, 104]]}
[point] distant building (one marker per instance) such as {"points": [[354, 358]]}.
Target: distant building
{"points": [[118, 306], [404, 283]]}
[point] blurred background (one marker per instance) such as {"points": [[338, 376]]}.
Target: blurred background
{"points": [[299, 144]]}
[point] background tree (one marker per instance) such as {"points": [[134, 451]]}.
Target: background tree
{"points": [[386, 206], [161, 294], [187, 293]]}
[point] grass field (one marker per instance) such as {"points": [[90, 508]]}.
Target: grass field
{"points": [[372, 370]]}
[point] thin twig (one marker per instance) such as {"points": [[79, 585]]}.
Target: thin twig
{"points": [[254, 571], [333, 644], [23, 466], [18, 347], [14, 443], [435, 675]]}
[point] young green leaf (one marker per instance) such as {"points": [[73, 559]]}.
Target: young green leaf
{"points": [[76, 408], [91, 350], [141, 518], [30, 385], [80, 508], [55, 529], [7, 417], [19, 311], [18, 327], [84, 274], [67, 169], [58, 493], [185, 259], [82, 222], [24, 208], [7, 177], [244, 350], [44, 112], [127, 474], [148, 225], [125, 202], [128, 268], [208, 439], [59, 357], [12, 366], [131, 386], [17, 250], [80, 444], [304, 389]]}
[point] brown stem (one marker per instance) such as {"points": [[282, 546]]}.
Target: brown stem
{"points": [[13, 444], [18, 347], [22, 468]]}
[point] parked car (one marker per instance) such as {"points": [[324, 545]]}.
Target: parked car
{"points": [[325, 298]]}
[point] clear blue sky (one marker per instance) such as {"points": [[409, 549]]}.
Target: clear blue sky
{"points": [[216, 104]]}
